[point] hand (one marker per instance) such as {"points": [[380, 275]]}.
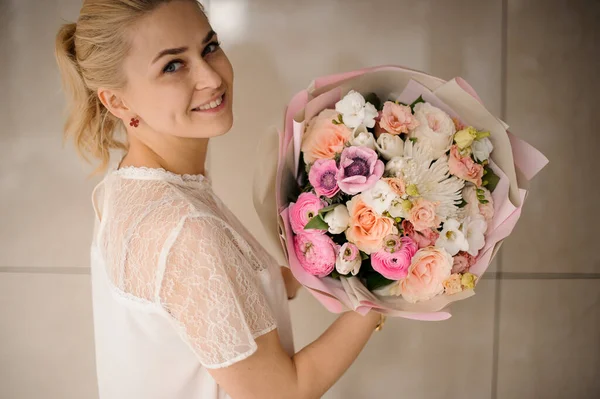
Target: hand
{"points": [[291, 284]]}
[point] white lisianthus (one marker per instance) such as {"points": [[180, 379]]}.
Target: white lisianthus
{"points": [[337, 219], [474, 228], [361, 137], [482, 149], [395, 165], [399, 208], [356, 111], [348, 259], [452, 238], [390, 146], [379, 197], [436, 129]]}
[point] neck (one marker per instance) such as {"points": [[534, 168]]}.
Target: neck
{"points": [[175, 154]]}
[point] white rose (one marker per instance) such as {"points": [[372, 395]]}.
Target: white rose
{"points": [[379, 197], [390, 146], [482, 149], [337, 219], [356, 111], [348, 259], [395, 165], [473, 228], [436, 128], [452, 238], [361, 137]]}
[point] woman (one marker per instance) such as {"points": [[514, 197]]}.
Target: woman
{"points": [[186, 302]]}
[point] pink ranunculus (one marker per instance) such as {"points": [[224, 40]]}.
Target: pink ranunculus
{"points": [[396, 118], [429, 269], [423, 215], [323, 138], [462, 262], [424, 238], [359, 170], [464, 167], [322, 177], [393, 263], [305, 208], [316, 252]]}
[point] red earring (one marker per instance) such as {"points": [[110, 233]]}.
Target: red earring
{"points": [[134, 122]]}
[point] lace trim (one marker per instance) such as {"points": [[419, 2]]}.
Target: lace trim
{"points": [[147, 173]]}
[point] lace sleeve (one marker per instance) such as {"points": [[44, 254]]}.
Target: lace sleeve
{"points": [[211, 289]]}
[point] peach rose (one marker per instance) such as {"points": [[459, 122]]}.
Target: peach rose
{"points": [[429, 269], [396, 118], [464, 167], [453, 284], [323, 139], [423, 215], [397, 185], [367, 229]]}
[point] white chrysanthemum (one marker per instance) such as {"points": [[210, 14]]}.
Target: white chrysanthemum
{"points": [[432, 180]]}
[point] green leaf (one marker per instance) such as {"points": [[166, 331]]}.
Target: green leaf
{"points": [[363, 255], [341, 118], [374, 99], [413, 139], [417, 101], [462, 204], [327, 209], [316, 223], [376, 280], [334, 274], [335, 122], [491, 179]]}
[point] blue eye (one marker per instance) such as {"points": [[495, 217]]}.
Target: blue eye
{"points": [[172, 67], [211, 48]]}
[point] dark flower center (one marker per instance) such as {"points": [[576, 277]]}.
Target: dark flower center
{"points": [[358, 167], [328, 180]]}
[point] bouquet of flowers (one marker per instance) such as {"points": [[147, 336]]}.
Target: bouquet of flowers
{"points": [[394, 190]]}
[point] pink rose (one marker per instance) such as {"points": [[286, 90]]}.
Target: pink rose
{"points": [[367, 228], [316, 252], [396, 119], [378, 129], [323, 139], [305, 208], [424, 238], [462, 262], [423, 215], [464, 167], [359, 170], [393, 260], [322, 177], [429, 269]]}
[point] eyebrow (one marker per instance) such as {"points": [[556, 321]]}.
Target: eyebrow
{"points": [[179, 50]]}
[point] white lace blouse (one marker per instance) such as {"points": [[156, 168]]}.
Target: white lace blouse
{"points": [[179, 286]]}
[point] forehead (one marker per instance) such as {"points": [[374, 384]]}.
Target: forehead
{"points": [[171, 25]]}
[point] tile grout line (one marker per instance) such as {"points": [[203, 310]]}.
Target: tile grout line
{"points": [[498, 285]]}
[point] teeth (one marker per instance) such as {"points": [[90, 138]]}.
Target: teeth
{"points": [[211, 105]]}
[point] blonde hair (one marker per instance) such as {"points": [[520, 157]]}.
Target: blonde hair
{"points": [[89, 54]]}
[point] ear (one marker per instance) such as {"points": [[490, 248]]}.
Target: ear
{"points": [[113, 101]]}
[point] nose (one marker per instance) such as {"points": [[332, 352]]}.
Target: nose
{"points": [[206, 76]]}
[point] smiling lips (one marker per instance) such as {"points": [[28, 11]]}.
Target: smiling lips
{"points": [[212, 106]]}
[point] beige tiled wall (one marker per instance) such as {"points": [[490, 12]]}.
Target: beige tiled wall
{"points": [[533, 329]]}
